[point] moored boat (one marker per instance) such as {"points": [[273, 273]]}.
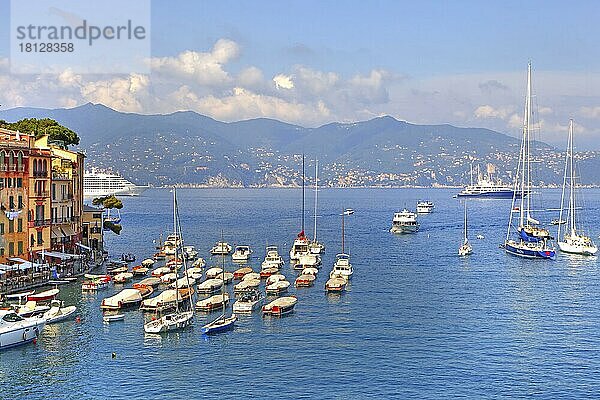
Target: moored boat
{"points": [[240, 272], [214, 302], [113, 317], [425, 207], [150, 281], [123, 277], [336, 284], [280, 306], [213, 272], [276, 288], [160, 271], [43, 296], [248, 302], [139, 270], [210, 286], [404, 222], [58, 312], [267, 272], [241, 254], [274, 278], [305, 280], [221, 248], [272, 258], [145, 290], [166, 299], [16, 330], [125, 298], [246, 285]]}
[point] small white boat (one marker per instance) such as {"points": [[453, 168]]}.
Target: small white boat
{"points": [[336, 284], [140, 270], [199, 263], [248, 302], [168, 278], [241, 254], [404, 222], [214, 302], [16, 330], [275, 278], [189, 252], [310, 271], [240, 272], [166, 299], [148, 262], [123, 277], [113, 317], [251, 276], [195, 273], [246, 285], [58, 312], [480, 237], [280, 306], [342, 266], [299, 247], [277, 288], [125, 298], [184, 282], [213, 272], [307, 260], [221, 248], [272, 258], [169, 322], [171, 244], [43, 296], [267, 272], [151, 281], [425, 207], [95, 284], [465, 248], [160, 271], [210, 286], [30, 309], [305, 280]]}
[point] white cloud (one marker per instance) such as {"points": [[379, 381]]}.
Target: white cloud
{"points": [[487, 111], [283, 81], [590, 112]]}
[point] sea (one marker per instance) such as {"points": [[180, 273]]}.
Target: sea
{"points": [[417, 321]]}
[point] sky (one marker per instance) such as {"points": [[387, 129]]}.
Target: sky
{"points": [[314, 62]]}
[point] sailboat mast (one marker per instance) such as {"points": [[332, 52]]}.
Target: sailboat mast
{"points": [[177, 238], [528, 142], [302, 193], [465, 230], [562, 195], [343, 212], [223, 276], [572, 172], [316, 196]]}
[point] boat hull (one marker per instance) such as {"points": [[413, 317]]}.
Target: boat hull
{"points": [[405, 229], [491, 195], [577, 249], [519, 251]]}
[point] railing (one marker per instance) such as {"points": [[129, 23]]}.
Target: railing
{"points": [[65, 220], [60, 175], [38, 223], [12, 168], [40, 174], [42, 193]]}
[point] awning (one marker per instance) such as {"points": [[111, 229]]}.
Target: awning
{"points": [[68, 230], [56, 233], [17, 259], [4, 267], [83, 246], [58, 254]]}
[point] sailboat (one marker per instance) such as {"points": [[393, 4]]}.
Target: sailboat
{"points": [[301, 243], [465, 249], [180, 318], [222, 323], [573, 241], [315, 246], [342, 267], [532, 241]]}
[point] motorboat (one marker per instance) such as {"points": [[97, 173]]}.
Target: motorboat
{"points": [[184, 282], [58, 312], [248, 302], [280, 306], [145, 290], [241, 254], [214, 302], [404, 222], [251, 276], [266, 272], [210, 286], [43, 296], [189, 252], [272, 258], [310, 271], [166, 299], [572, 240], [425, 207], [221, 248], [170, 245], [305, 280], [213, 272], [246, 285], [342, 266], [150, 281], [148, 263], [174, 263], [160, 271], [299, 247], [274, 278], [125, 298], [30, 309], [307, 260], [113, 317], [123, 277], [195, 273], [557, 221], [240, 272], [199, 263], [168, 278], [16, 330], [277, 288], [140, 270], [336, 284]]}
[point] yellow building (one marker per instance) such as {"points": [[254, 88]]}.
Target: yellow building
{"points": [[92, 234]]}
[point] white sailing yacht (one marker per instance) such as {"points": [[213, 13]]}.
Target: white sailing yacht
{"points": [[573, 241], [181, 317], [315, 246], [342, 266], [532, 241], [465, 249], [301, 243]]}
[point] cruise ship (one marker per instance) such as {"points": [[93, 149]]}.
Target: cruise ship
{"points": [[101, 183], [486, 187]]}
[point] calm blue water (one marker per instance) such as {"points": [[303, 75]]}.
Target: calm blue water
{"points": [[416, 322]]}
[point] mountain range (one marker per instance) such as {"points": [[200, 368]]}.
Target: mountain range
{"points": [[189, 148]]}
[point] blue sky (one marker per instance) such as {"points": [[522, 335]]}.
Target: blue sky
{"points": [[313, 62]]}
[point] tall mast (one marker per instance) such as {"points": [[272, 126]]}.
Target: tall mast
{"points": [[562, 196], [176, 240], [302, 193], [572, 171], [343, 212], [316, 196], [528, 142], [223, 275], [465, 221]]}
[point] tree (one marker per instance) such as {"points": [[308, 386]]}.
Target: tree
{"points": [[46, 126], [110, 202]]}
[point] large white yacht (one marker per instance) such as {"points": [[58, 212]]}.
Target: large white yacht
{"points": [[103, 183], [404, 222]]}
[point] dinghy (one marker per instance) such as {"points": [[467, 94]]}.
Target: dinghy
{"points": [[123, 277], [148, 262], [58, 312], [160, 271], [43, 296], [213, 272], [113, 317]]}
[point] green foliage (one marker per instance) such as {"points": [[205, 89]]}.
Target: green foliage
{"points": [[108, 202], [116, 228], [40, 127]]}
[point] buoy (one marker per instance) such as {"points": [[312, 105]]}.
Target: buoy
{"points": [[114, 355], [34, 340], [78, 319]]}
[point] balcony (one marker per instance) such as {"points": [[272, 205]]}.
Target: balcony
{"points": [[12, 168], [65, 220], [63, 176], [44, 193], [40, 174], [39, 223]]}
